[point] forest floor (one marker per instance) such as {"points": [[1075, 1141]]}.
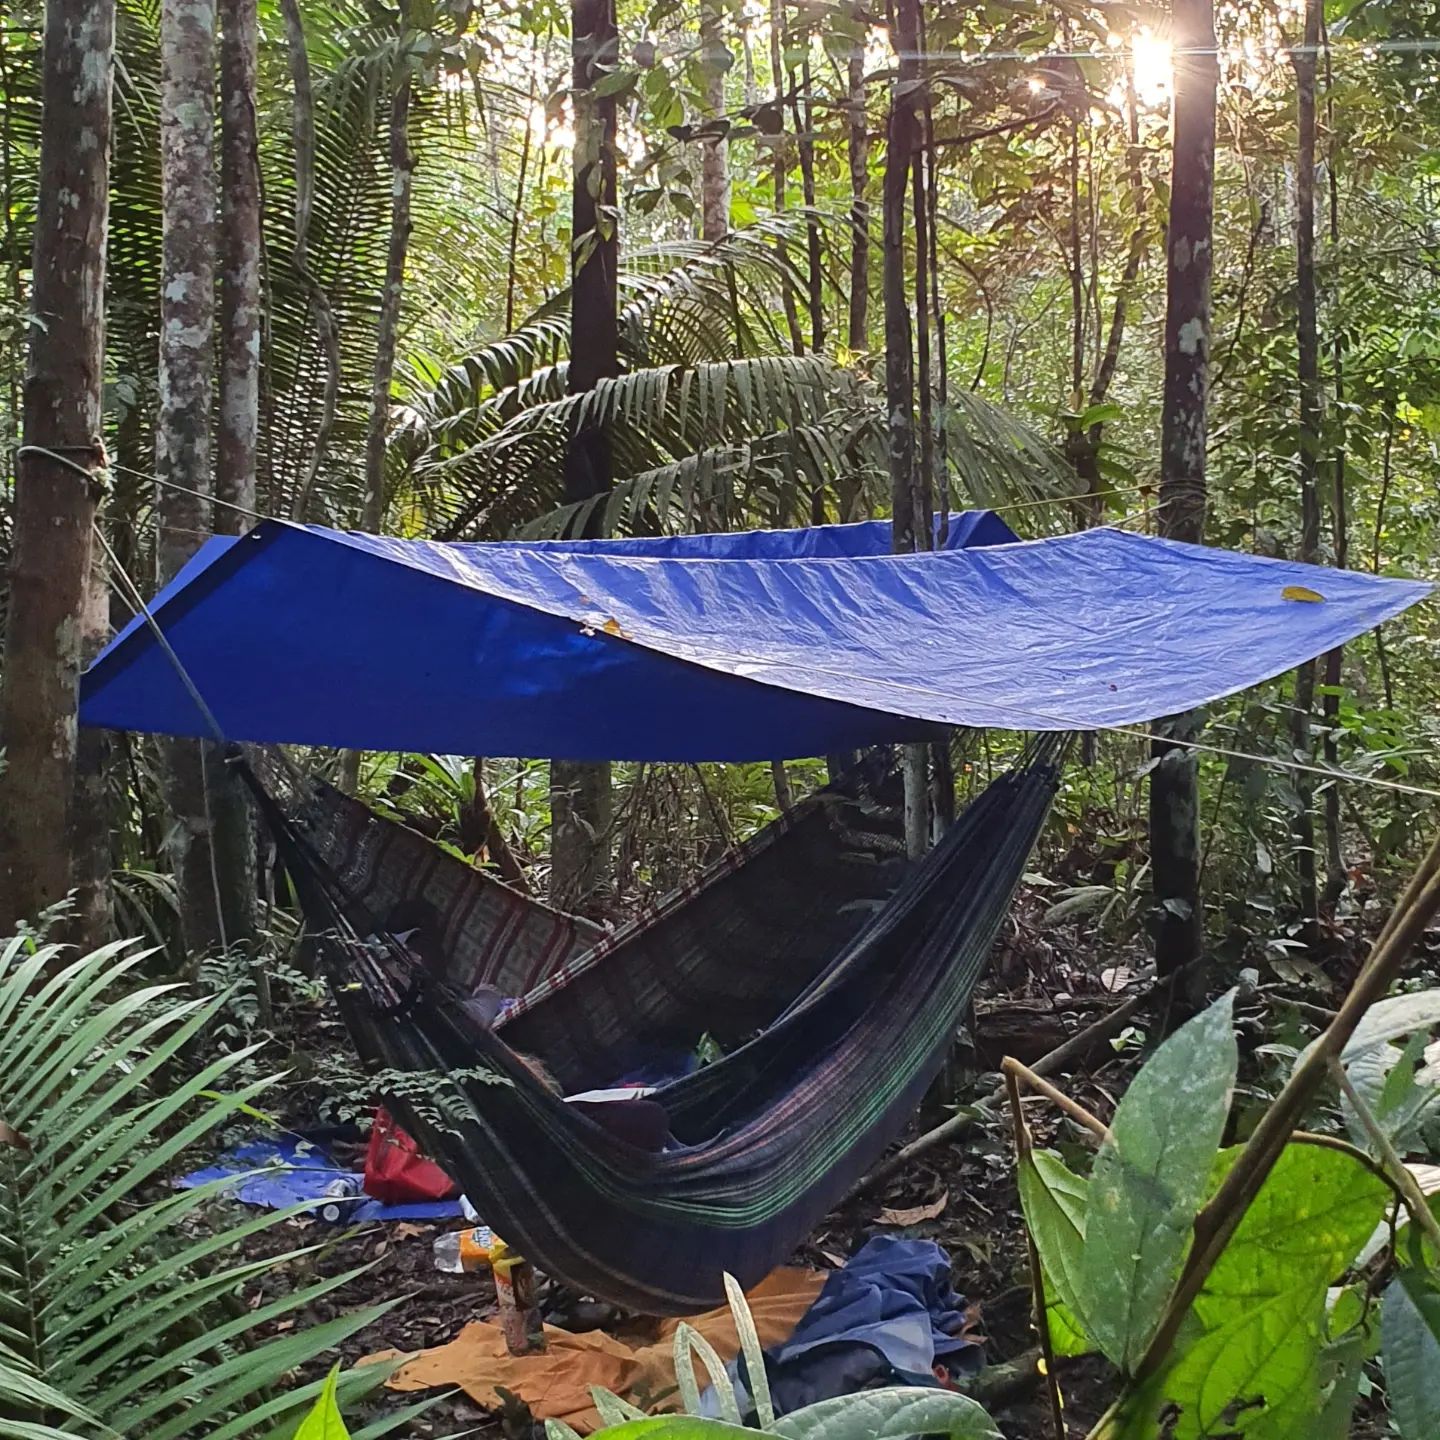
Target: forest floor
{"points": [[1046, 986]]}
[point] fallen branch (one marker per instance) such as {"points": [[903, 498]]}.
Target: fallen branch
{"points": [[1016, 1072], [1061, 1056]]}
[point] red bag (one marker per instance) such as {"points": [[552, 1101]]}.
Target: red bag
{"points": [[396, 1173]]}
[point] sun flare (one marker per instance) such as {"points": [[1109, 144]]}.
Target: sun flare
{"points": [[1153, 62]]}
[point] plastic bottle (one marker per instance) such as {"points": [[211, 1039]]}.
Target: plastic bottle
{"points": [[339, 1199], [465, 1250]]}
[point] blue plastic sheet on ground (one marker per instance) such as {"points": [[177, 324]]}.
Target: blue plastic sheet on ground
{"points": [[658, 650], [289, 1170]]}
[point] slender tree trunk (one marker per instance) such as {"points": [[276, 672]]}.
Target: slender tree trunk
{"points": [[481, 830], [55, 501], [1076, 267], [387, 330], [241, 313], [1174, 798], [387, 326], [780, 163], [1387, 476], [580, 797], [240, 262], [192, 778], [805, 146], [1083, 446], [1308, 375], [94, 918], [513, 249], [784, 796], [303, 131], [901, 147], [715, 153], [858, 152], [923, 501], [1335, 868]]}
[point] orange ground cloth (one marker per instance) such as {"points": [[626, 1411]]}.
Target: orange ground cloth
{"points": [[556, 1385]]}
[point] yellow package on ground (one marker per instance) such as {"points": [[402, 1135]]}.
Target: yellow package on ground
{"points": [[556, 1384]]}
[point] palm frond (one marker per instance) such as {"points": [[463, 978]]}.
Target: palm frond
{"points": [[117, 1313]]}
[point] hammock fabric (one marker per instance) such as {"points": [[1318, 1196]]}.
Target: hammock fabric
{"points": [[722, 955], [766, 1139]]}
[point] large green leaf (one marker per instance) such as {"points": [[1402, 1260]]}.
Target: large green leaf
{"points": [[1149, 1179], [1054, 1200], [1249, 1362], [892, 1414], [1410, 1345], [1387, 1020]]}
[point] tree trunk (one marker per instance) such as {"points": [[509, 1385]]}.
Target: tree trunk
{"points": [[303, 133], [193, 777], [1307, 367], [580, 801], [900, 150], [387, 330], [513, 249], [94, 917], [1083, 446], [240, 262], [55, 500], [241, 258], [387, 326], [780, 162], [1336, 873], [1174, 800], [480, 830], [858, 149], [715, 154], [814, 264]]}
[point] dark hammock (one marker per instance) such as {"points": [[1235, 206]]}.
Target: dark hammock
{"points": [[766, 1139], [721, 956]]}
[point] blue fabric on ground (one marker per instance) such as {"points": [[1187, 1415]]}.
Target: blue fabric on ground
{"points": [[894, 1295], [591, 651], [887, 1318], [292, 1171]]}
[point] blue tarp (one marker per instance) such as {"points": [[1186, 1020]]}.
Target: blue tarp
{"points": [[290, 1170], [758, 646]]}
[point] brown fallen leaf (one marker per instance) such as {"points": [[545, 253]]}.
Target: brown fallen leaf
{"points": [[406, 1231], [9, 1135], [915, 1214]]}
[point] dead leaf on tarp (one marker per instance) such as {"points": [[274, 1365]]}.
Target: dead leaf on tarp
{"points": [[1427, 1177], [915, 1214], [1302, 592]]}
